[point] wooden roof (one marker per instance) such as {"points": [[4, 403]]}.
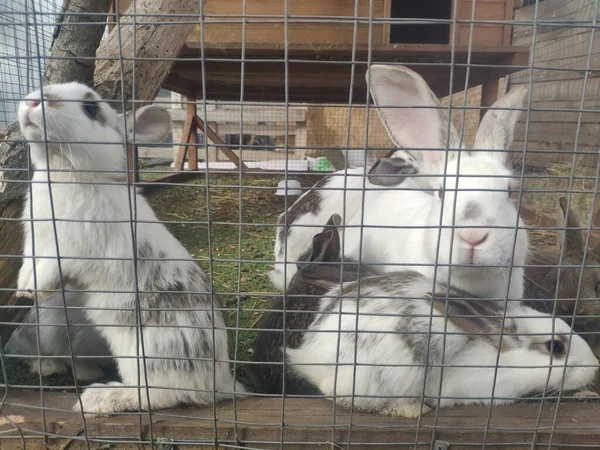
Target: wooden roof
{"points": [[320, 73]]}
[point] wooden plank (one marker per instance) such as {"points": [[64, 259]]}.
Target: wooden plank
{"points": [[222, 146], [331, 8], [308, 424], [572, 10], [508, 15], [190, 123], [264, 21], [319, 81], [263, 114], [333, 33], [192, 147]]}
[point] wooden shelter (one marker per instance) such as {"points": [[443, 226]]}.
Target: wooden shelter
{"points": [[319, 55]]}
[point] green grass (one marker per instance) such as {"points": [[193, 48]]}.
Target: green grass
{"points": [[243, 289]]}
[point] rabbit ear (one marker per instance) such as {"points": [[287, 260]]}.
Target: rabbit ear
{"points": [[571, 238], [391, 171], [152, 124], [498, 125], [326, 246], [411, 114]]}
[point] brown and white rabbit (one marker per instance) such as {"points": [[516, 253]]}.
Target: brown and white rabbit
{"points": [[80, 187], [547, 287], [381, 341]]}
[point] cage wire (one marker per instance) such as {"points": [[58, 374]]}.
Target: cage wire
{"points": [[270, 100]]}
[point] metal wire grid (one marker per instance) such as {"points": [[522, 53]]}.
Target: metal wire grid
{"points": [[211, 262], [20, 76]]}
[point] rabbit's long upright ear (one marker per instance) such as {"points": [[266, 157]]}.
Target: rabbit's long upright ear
{"points": [[152, 124], [411, 114], [498, 125], [571, 239]]}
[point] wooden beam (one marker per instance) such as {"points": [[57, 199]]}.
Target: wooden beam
{"points": [[208, 132], [309, 423], [189, 129]]}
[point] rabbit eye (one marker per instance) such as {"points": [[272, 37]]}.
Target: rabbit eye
{"points": [[555, 347], [91, 108], [510, 192]]}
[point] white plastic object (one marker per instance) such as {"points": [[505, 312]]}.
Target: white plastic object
{"points": [[293, 188]]}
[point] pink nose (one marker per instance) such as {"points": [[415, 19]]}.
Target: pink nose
{"points": [[33, 103], [474, 237]]}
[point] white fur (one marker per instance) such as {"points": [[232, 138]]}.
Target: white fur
{"points": [[341, 187], [478, 178], [92, 218], [388, 367]]}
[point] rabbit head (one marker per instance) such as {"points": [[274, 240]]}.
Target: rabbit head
{"points": [[83, 131], [553, 339], [324, 268], [475, 197]]}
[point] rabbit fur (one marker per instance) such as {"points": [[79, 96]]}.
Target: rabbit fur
{"points": [[84, 165], [301, 304], [86, 339], [383, 353], [478, 184], [547, 289]]}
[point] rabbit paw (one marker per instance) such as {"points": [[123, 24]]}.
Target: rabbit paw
{"points": [[104, 399], [409, 410]]}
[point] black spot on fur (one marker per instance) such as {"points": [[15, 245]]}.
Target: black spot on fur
{"points": [[472, 211], [309, 202]]}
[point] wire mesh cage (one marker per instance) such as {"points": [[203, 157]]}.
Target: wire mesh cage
{"points": [[258, 224]]}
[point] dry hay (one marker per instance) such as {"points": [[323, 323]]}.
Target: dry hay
{"points": [[542, 189]]}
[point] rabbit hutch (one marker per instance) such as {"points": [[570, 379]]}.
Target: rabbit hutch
{"points": [[315, 86], [263, 88]]}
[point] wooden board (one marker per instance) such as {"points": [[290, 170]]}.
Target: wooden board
{"points": [[493, 34], [308, 424], [323, 73], [309, 21], [562, 56]]}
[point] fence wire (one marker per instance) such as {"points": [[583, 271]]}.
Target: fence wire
{"points": [[346, 224]]}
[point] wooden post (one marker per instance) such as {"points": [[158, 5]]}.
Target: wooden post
{"points": [[489, 94], [190, 128], [132, 163]]}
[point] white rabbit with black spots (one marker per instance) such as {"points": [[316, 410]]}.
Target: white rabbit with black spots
{"points": [[92, 207], [482, 240], [384, 353]]}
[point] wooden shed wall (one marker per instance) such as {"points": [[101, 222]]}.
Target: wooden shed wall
{"points": [[560, 47]]}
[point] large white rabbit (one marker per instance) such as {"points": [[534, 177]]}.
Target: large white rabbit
{"points": [[183, 332], [401, 226]]}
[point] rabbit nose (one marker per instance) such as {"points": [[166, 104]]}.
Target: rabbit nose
{"points": [[33, 103], [474, 237]]}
